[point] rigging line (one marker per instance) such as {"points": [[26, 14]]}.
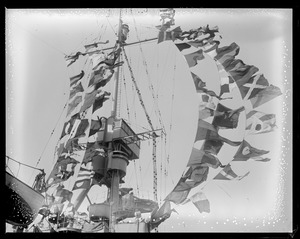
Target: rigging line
{"points": [[136, 178], [111, 27], [23, 163], [150, 123], [42, 40], [51, 133], [171, 122], [126, 98], [10, 170], [150, 85]]}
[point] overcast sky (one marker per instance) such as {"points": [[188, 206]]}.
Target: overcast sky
{"points": [[37, 89]]}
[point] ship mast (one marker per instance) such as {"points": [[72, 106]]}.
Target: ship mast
{"points": [[115, 177]]}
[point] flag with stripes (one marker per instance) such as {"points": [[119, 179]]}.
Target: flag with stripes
{"points": [[259, 122], [228, 174], [84, 177]]}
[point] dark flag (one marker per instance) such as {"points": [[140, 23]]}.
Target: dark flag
{"points": [[182, 46], [208, 131], [246, 151], [251, 87], [75, 79], [100, 100], [212, 146], [199, 84], [226, 117]]}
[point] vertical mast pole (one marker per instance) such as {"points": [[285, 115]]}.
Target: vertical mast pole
{"points": [[115, 178]]}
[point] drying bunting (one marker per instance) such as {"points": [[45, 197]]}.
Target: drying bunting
{"points": [[259, 122], [246, 151], [228, 174]]}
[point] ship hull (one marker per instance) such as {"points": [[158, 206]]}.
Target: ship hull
{"points": [[22, 202]]}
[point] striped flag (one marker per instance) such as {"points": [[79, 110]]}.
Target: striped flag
{"points": [[246, 151], [259, 122], [228, 174], [84, 177]]}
